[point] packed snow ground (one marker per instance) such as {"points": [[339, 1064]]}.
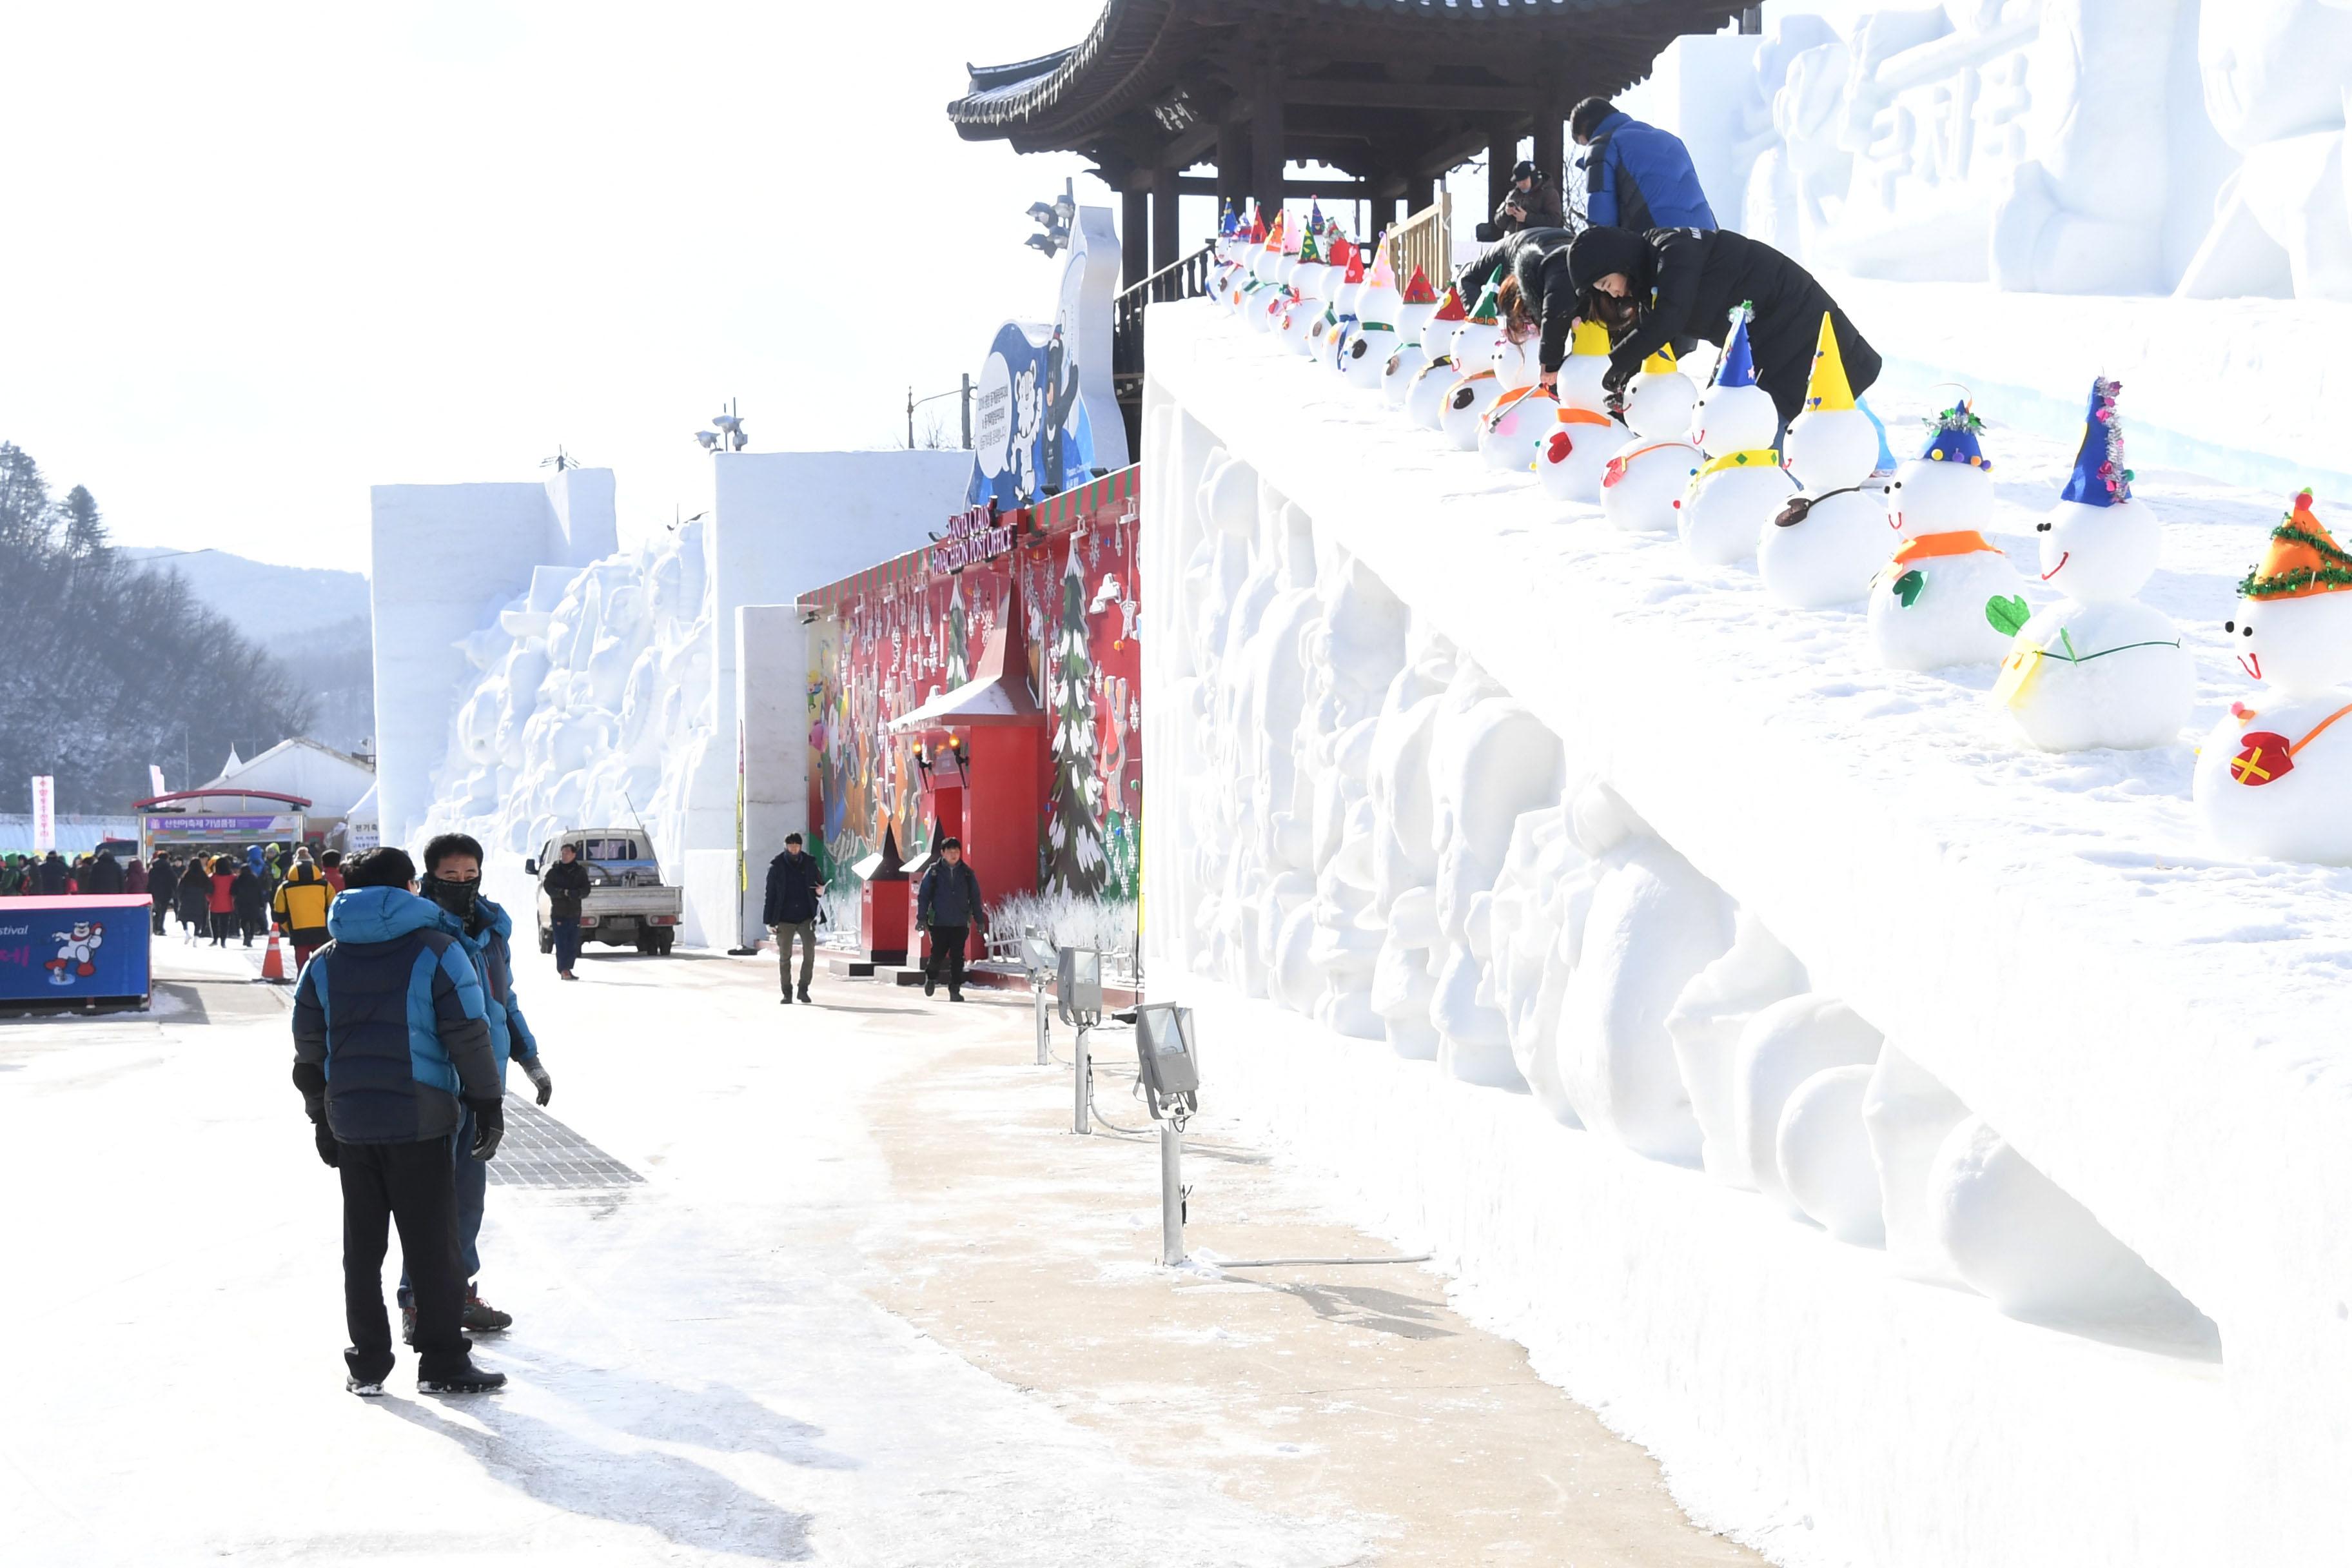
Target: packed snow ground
{"points": [[2155, 1027], [871, 1304]]}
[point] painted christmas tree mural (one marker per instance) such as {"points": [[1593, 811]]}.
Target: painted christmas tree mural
{"points": [[959, 637], [1075, 862]]}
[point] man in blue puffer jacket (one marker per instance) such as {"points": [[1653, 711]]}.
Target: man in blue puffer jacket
{"points": [[1636, 176], [391, 1053], [452, 881]]}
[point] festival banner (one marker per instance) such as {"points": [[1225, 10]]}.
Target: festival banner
{"points": [[73, 949]]}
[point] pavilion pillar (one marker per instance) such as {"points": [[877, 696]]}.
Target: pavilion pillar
{"points": [[1551, 142], [1233, 165], [1267, 134], [1134, 235], [1164, 237]]}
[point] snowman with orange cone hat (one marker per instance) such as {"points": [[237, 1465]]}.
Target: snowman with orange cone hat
{"points": [[2274, 777]]}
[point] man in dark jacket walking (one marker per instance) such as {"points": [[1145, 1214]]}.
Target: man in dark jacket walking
{"points": [[163, 887], [948, 906], [105, 875], [54, 875], [1636, 176], [391, 1049], [565, 884], [1530, 203], [790, 912], [1650, 288]]}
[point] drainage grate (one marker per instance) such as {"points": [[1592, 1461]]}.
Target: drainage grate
{"points": [[540, 1152]]}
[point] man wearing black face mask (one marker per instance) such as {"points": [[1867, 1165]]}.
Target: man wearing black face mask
{"points": [[453, 879]]}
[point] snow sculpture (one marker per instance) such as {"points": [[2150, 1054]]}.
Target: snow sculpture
{"points": [[1516, 361], [597, 708], [1420, 303], [1464, 411], [1432, 388], [1473, 346], [1741, 486], [1653, 924], [1785, 1044], [1572, 457], [1826, 545], [2014, 1235], [1822, 1153], [2098, 667], [1508, 433], [1642, 485], [1706, 1026], [1297, 318], [1405, 363], [1365, 353], [2274, 780], [1948, 596], [1907, 1114], [1348, 296]]}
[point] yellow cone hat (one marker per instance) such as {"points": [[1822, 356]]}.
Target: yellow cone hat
{"points": [[1591, 337], [1828, 388], [1660, 363]]}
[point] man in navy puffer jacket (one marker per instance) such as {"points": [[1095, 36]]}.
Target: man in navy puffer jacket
{"points": [[391, 1049], [1636, 176]]}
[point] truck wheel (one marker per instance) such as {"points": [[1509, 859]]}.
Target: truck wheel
{"points": [[546, 940], [648, 946], [668, 938]]}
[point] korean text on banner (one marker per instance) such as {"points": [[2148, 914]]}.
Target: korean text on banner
{"points": [[45, 813]]}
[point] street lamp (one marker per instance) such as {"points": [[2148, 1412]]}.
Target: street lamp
{"points": [[729, 436], [1056, 218]]}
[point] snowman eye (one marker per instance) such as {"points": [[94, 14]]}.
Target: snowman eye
{"points": [[1896, 485], [2229, 626], [2250, 628], [2041, 528]]}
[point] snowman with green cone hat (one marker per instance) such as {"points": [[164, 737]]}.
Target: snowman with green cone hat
{"points": [[2098, 667]]}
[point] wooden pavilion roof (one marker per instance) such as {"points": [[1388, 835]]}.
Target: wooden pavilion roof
{"points": [[1375, 88]]}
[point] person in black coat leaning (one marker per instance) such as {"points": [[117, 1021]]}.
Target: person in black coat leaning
{"points": [[565, 884], [790, 912], [1650, 288], [1533, 264], [948, 906]]}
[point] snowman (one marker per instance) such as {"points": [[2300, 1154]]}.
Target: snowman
{"points": [[1420, 300], [1467, 400], [1297, 318], [1269, 264], [1519, 418], [1365, 352], [1437, 332], [1740, 486], [1825, 546], [2274, 778], [1347, 296], [2098, 667], [1642, 483], [1432, 383], [1946, 598], [1473, 345], [1573, 454], [76, 949]]}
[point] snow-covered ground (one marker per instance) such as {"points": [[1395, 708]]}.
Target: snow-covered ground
{"points": [[2153, 1025]]}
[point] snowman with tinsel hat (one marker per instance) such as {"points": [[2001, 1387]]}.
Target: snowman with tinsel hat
{"points": [[2098, 667], [1826, 545], [1740, 485], [1946, 598], [2274, 777]]}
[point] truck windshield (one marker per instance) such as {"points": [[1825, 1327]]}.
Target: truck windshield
{"points": [[608, 849]]}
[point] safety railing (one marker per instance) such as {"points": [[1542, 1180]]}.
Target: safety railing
{"points": [[1185, 280], [1425, 240]]}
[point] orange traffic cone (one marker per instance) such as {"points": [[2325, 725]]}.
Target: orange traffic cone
{"points": [[273, 963]]}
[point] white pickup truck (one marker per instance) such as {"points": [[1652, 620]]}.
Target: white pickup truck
{"points": [[627, 903]]}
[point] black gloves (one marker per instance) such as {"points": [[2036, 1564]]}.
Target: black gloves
{"points": [[489, 1126], [1621, 371], [324, 1137], [540, 1079]]}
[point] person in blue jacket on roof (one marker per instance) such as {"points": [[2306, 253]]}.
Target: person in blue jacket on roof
{"points": [[391, 1053], [1636, 176], [452, 881]]}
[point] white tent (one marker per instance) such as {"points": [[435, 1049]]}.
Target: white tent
{"points": [[331, 781]]}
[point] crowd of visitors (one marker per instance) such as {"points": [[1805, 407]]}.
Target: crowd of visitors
{"points": [[213, 896]]}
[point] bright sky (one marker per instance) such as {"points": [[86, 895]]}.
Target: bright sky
{"points": [[266, 256]]}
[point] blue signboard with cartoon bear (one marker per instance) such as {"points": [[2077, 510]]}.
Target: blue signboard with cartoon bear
{"points": [[1045, 418], [74, 950]]}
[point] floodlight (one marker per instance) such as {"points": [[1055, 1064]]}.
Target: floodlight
{"points": [[709, 439], [725, 421], [1043, 212], [1164, 1054], [1078, 986], [1038, 954]]}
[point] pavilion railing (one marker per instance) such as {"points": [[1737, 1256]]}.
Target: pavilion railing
{"points": [[1185, 280], [1425, 240]]}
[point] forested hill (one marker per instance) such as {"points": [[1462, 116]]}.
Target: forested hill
{"points": [[107, 667]]}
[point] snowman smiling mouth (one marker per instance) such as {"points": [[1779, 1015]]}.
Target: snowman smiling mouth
{"points": [[2063, 559], [2252, 663]]}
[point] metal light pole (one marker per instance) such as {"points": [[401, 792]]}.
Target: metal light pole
{"points": [[1082, 1071], [1171, 1192]]}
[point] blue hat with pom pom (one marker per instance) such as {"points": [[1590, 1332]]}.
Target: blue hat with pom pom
{"points": [[1952, 438], [1738, 365], [2100, 478]]}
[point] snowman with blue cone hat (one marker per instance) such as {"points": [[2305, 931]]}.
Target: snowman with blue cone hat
{"points": [[1948, 596], [2098, 667], [1739, 485]]}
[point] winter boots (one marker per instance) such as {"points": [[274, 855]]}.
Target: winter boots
{"points": [[481, 1318], [804, 996], [472, 1378]]}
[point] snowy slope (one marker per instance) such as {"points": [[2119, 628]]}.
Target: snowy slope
{"points": [[2156, 1028], [268, 602]]}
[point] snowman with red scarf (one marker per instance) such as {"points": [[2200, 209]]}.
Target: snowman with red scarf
{"points": [[2274, 777]]}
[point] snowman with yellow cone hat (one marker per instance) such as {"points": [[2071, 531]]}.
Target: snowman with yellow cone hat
{"points": [[1641, 484], [1572, 453], [2274, 777], [1826, 544]]}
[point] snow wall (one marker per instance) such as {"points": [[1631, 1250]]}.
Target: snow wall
{"points": [[2025, 153], [1925, 1146], [606, 691]]}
